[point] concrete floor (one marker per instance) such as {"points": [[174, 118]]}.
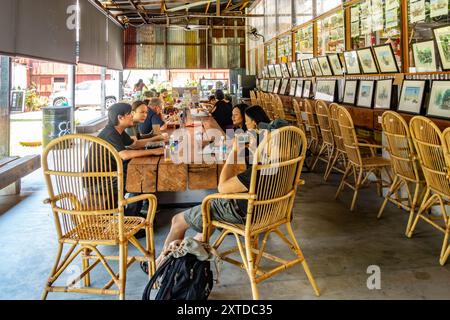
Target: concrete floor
{"points": [[339, 246]]}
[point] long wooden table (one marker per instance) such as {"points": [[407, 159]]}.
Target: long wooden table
{"points": [[156, 175]]}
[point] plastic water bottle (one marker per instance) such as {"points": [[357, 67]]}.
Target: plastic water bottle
{"points": [[223, 148], [172, 143]]}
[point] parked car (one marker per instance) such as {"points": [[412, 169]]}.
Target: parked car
{"points": [[88, 93]]}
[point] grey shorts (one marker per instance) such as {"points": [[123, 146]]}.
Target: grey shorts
{"points": [[221, 210]]}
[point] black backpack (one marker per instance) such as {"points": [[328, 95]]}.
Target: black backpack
{"points": [[184, 278]]}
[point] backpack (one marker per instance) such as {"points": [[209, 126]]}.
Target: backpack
{"points": [[183, 278]]}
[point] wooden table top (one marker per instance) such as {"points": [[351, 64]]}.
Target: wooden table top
{"points": [[155, 174]]}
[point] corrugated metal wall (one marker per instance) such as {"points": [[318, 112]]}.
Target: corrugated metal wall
{"points": [[148, 48]]}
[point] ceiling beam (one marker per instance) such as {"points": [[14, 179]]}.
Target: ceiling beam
{"points": [[218, 8], [138, 10]]}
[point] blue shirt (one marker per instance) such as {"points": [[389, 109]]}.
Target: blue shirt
{"points": [[152, 118]]}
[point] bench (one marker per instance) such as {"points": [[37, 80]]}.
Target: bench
{"points": [[92, 126], [12, 169]]}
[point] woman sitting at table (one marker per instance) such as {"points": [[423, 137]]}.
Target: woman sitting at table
{"points": [[238, 117], [139, 110], [222, 111], [230, 211]]}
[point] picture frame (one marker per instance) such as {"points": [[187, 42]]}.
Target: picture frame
{"points": [[350, 91], [383, 94], [278, 72], [271, 86], [284, 86], [300, 70], [367, 61], [292, 87], [307, 66], [267, 73], [276, 87], [366, 92], [439, 103], [299, 89], [307, 89], [412, 96], [290, 70], [294, 68], [284, 70], [385, 57], [325, 66], [442, 40], [265, 85], [424, 55], [352, 62], [272, 72], [326, 90], [316, 67], [336, 65]]}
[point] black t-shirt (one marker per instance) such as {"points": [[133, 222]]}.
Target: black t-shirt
{"points": [[118, 141], [223, 114]]}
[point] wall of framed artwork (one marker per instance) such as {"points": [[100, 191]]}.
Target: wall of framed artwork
{"points": [[276, 87], [326, 90], [284, 70], [384, 94], [439, 102], [272, 72], [271, 86], [350, 92], [366, 92], [294, 69], [412, 96]]}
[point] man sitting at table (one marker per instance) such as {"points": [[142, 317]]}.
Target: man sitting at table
{"points": [[120, 117], [154, 117]]}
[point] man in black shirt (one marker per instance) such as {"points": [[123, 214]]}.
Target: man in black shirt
{"points": [[222, 111], [120, 117]]}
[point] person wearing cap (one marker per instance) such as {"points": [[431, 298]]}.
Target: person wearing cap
{"points": [[153, 117], [120, 117]]}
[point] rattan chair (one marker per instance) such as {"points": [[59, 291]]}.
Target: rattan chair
{"points": [[315, 142], [298, 115], [276, 170], [326, 151], [405, 166], [267, 104], [358, 166], [339, 156], [282, 113], [253, 98], [84, 177], [433, 152]]}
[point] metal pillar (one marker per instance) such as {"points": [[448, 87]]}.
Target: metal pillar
{"points": [[5, 86], [71, 80], [103, 91]]}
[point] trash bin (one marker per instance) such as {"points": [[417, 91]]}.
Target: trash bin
{"points": [[55, 123]]}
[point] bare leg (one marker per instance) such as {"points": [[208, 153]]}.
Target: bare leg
{"points": [[177, 231]]}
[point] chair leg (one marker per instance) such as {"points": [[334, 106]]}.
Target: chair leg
{"points": [[322, 149], [150, 246], [422, 209], [379, 183], [331, 166], [305, 266], [53, 272], [413, 207], [445, 247], [342, 184], [251, 267], [357, 186], [123, 257], [394, 187], [87, 278]]}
